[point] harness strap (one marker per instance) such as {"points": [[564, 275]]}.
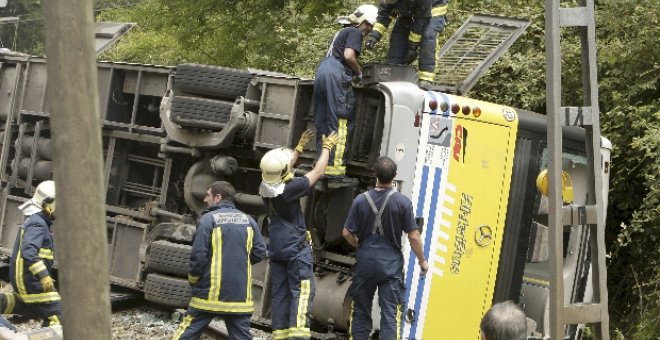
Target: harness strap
{"points": [[378, 222]]}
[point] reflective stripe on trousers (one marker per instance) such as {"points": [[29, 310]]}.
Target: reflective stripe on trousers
{"points": [[195, 321], [427, 48], [334, 101], [293, 289]]}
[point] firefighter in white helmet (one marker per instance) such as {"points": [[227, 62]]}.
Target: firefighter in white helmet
{"points": [[32, 261], [333, 94], [289, 251]]}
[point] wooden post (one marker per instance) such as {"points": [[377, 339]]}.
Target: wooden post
{"points": [[80, 228]]}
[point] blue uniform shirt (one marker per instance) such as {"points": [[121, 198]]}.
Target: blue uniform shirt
{"points": [[397, 217], [287, 205], [349, 37], [286, 227]]}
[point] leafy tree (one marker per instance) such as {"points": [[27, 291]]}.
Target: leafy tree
{"points": [[26, 33], [630, 101], [271, 35]]}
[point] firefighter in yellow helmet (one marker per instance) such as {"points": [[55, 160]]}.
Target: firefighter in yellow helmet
{"points": [[32, 261], [289, 251]]}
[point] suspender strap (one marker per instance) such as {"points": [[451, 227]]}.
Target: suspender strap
{"points": [[332, 44], [378, 221], [269, 207]]}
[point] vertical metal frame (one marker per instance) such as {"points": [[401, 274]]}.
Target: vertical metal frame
{"points": [[583, 18]]}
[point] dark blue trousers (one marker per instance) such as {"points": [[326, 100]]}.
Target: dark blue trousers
{"points": [[334, 101], [193, 324], [427, 47], [50, 313], [379, 266], [399, 40], [293, 288]]}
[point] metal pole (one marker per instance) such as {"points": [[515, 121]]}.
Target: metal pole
{"points": [[80, 228], [594, 190], [555, 225]]}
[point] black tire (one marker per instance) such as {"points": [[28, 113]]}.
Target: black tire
{"points": [[167, 290], [200, 112], [169, 257], [211, 81]]}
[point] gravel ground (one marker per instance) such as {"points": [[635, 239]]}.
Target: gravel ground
{"points": [[141, 323], [136, 323]]}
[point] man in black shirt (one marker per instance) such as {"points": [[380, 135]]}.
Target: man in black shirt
{"points": [[377, 220]]}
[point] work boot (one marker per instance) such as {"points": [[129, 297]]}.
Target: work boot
{"points": [[424, 85]]}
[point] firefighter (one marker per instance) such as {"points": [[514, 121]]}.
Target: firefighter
{"points": [[226, 245], [31, 266], [333, 94], [416, 30], [375, 223], [289, 249]]}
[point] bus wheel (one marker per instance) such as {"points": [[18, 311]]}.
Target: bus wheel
{"points": [[169, 257], [167, 290]]}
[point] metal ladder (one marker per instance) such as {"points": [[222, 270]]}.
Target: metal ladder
{"points": [[593, 213]]}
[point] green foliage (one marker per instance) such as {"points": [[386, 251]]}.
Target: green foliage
{"points": [[273, 35], [25, 34], [630, 101]]}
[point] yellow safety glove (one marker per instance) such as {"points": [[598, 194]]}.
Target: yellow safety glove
{"points": [[330, 141], [304, 139], [47, 284], [192, 279]]}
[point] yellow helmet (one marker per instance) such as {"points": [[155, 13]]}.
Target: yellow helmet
{"points": [[276, 166], [367, 13], [566, 185], [44, 197]]}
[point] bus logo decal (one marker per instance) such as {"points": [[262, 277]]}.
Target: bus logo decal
{"points": [[483, 236], [460, 143]]}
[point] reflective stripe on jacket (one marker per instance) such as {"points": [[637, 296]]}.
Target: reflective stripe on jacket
{"points": [[32, 259], [226, 245]]}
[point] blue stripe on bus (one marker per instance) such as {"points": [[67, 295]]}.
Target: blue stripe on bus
{"points": [[427, 246], [419, 211]]}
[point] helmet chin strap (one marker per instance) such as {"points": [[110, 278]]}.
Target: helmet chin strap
{"points": [[288, 177]]}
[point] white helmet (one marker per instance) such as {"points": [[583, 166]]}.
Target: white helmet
{"points": [[367, 13], [42, 200], [276, 166], [276, 169]]}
